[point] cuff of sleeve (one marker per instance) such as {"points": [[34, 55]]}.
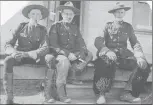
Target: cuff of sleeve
{"points": [[104, 50], [9, 51], [41, 51], [66, 52], [57, 50], [139, 55], [137, 47], [33, 54]]}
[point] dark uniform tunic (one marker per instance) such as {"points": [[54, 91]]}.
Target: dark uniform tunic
{"points": [[67, 39], [114, 38], [27, 39], [30, 39]]}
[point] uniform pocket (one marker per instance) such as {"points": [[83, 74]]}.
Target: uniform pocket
{"points": [[123, 37]]}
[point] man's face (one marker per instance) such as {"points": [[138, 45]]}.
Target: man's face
{"points": [[119, 13], [67, 15], [35, 14]]}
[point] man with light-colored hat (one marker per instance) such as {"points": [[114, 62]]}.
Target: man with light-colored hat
{"points": [[65, 36], [113, 43], [27, 46]]}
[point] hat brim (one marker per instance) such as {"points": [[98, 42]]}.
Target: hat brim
{"points": [[125, 8], [27, 9], [75, 10]]}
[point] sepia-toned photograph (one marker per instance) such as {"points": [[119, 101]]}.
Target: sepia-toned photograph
{"points": [[76, 52]]}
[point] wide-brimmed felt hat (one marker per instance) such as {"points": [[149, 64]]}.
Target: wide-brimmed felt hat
{"points": [[27, 9], [68, 5], [119, 6]]}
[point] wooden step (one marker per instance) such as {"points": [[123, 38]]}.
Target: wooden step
{"points": [[79, 96], [27, 93]]}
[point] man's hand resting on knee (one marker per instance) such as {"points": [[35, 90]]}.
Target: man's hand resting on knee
{"points": [[110, 54], [72, 57], [18, 55]]}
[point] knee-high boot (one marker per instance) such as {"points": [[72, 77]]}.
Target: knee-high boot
{"points": [[139, 80], [49, 86], [8, 87], [61, 90]]}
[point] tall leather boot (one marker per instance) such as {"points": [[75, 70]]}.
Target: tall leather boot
{"points": [[73, 76], [48, 87], [8, 88], [127, 93], [61, 90]]}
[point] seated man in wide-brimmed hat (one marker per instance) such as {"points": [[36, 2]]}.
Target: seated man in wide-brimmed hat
{"points": [[112, 45], [65, 36], [27, 46]]}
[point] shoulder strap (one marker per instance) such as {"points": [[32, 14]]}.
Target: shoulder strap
{"points": [[21, 27], [106, 36], [106, 39], [19, 30], [57, 27]]}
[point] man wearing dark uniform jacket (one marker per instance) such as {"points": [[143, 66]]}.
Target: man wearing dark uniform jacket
{"points": [[113, 44], [65, 36], [27, 46]]}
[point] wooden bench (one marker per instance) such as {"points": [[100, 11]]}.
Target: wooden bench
{"points": [[38, 72]]}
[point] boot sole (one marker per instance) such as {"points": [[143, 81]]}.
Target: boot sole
{"points": [[130, 101]]}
